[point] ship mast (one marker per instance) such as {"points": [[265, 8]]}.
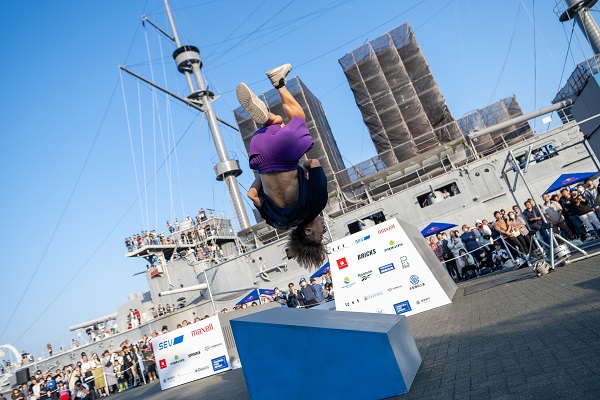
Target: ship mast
{"points": [[580, 10], [189, 64]]}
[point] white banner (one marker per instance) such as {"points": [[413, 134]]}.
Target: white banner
{"points": [[190, 353], [379, 270]]}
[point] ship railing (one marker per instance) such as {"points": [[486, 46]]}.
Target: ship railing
{"points": [[382, 183]]}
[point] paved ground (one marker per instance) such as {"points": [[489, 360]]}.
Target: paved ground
{"points": [[530, 338]]}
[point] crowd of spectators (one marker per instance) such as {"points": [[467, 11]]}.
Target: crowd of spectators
{"points": [[487, 246], [190, 231], [93, 376]]}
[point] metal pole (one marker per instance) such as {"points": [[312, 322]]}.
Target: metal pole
{"points": [[210, 292], [204, 97]]}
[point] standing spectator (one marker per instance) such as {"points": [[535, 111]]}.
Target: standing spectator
{"points": [[87, 369], [470, 239], [554, 214], [455, 244], [519, 224], [98, 372], [484, 231], [307, 293], [449, 260], [585, 212], [280, 297], [319, 288], [150, 362], [509, 234], [571, 217], [293, 301], [590, 197], [437, 249], [107, 366], [533, 216]]}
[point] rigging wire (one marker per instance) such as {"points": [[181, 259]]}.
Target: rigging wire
{"points": [[128, 122], [512, 38], [562, 74], [63, 212], [534, 65], [343, 44], [258, 27], [237, 28], [73, 190], [147, 221], [108, 235]]}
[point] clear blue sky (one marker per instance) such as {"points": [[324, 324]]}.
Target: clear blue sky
{"points": [[65, 214]]}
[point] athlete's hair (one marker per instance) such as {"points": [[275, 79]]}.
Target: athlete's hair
{"points": [[305, 249]]}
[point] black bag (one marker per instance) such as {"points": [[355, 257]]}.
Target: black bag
{"points": [[108, 364]]}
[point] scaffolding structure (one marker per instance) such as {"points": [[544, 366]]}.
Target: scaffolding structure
{"points": [[401, 104], [490, 115]]}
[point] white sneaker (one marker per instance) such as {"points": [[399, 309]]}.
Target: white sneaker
{"points": [[252, 104], [278, 75]]}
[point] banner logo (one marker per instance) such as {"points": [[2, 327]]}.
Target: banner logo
{"points": [[404, 263], [362, 239], [389, 228], [365, 275], [342, 263], [177, 360], [162, 363], [170, 342], [386, 268], [202, 369], [394, 288], [219, 363], [339, 247], [199, 331], [347, 283], [393, 246], [373, 295], [366, 254], [402, 307], [414, 279], [194, 354]]}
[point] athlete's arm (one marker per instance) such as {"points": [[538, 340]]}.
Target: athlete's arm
{"points": [[254, 192]]}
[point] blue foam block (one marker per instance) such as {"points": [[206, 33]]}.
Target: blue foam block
{"points": [[355, 355]]}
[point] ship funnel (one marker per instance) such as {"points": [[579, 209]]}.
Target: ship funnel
{"points": [[580, 10]]}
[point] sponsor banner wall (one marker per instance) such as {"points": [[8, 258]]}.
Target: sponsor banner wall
{"points": [[379, 270], [190, 353]]}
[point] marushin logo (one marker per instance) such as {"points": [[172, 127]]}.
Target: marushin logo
{"points": [[387, 229], [367, 254]]}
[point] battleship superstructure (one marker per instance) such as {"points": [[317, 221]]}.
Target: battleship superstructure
{"points": [[424, 152]]}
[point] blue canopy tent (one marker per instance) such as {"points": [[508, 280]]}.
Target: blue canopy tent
{"points": [[324, 269], [567, 180], [254, 295], [435, 227]]}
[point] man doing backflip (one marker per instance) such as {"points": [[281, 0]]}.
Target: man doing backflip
{"points": [[286, 195]]}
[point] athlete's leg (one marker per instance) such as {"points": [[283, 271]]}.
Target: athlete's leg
{"points": [[278, 76], [290, 105]]}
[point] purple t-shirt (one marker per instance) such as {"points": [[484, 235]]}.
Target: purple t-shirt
{"points": [[277, 149]]}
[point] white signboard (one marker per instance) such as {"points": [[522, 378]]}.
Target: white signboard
{"points": [[190, 353], [379, 270]]}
